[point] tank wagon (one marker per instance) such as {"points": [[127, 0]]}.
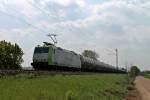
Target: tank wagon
{"points": [[51, 57]]}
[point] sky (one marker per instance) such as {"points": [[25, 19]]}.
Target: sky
{"points": [[99, 25]]}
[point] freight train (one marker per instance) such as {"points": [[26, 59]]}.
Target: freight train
{"points": [[49, 57]]}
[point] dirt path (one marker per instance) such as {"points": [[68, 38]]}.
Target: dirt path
{"points": [[143, 86], [141, 91]]}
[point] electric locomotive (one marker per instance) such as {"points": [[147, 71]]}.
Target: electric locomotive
{"points": [[52, 57]]}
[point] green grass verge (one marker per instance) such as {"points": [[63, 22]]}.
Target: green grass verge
{"points": [[63, 87], [146, 75]]}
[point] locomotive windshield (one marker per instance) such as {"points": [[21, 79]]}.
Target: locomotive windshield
{"points": [[41, 50]]}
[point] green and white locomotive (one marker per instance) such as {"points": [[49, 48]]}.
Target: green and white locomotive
{"points": [[52, 57]]}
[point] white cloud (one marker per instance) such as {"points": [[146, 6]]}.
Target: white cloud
{"points": [[62, 2], [23, 6], [112, 24], [97, 8], [81, 4], [137, 33]]}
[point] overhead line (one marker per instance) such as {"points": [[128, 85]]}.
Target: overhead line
{"points": [[25, 21], [43, 11]]}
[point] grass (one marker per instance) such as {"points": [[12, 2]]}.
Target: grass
{"points": [[146, 75], [63, 87]]}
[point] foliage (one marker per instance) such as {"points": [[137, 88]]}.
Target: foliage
{"points": [[10, 55], [134, 71], [60, 87], [145, 72], [146, 75], [70, 95], [90, 54]]}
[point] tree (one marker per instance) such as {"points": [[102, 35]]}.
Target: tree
{"points": [[134, 71], [90, 54], [10, 55]]}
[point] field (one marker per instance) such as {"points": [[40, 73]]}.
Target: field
{"points": [[63, 87], [147, 76]]}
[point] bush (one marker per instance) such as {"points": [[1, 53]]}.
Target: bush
{"points": [[10, 55], [134, 71]]}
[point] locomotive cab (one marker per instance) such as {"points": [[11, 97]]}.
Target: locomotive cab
{"points": [[40, 54], [42, 57]]}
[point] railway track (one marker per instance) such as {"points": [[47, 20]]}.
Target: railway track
{"points": [[41, 72]]}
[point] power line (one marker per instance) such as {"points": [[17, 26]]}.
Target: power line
{"points": [[12, 16], [19, 19], [53, 37], [45, 12], [42, 10], [56, 15]]}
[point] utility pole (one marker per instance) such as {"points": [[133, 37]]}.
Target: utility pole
{"points": [[116, 58], [115, 52], [53, 37], [126, 66]]}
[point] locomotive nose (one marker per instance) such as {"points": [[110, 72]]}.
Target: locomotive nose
{"points": [[40, 57], [40, 54]]}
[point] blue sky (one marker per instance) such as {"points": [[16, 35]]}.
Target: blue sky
{"points": [[100, 25]]}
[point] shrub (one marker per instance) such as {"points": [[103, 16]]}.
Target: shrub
{"points": [[10, 55]]}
